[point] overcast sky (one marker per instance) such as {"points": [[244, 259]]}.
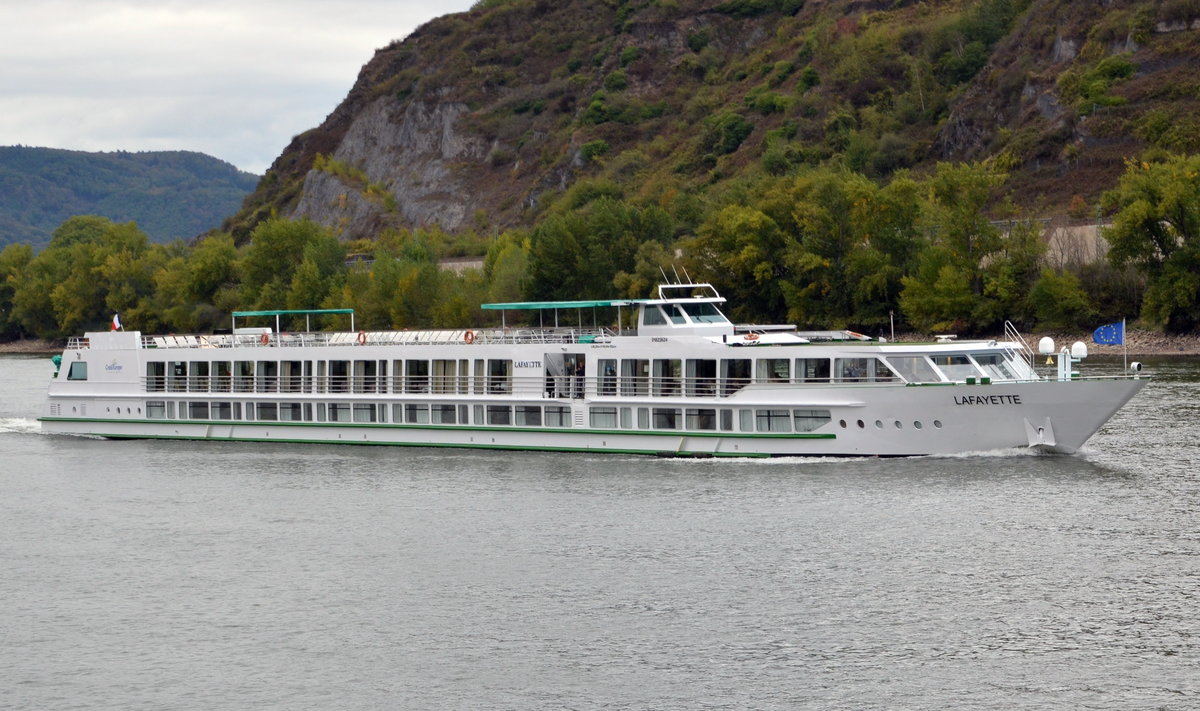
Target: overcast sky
{"points": [[232, 78]]}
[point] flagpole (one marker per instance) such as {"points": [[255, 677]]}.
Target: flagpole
{"points": [[1125, 344]]}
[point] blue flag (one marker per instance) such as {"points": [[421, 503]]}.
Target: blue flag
{"points": [[1112, 334]]}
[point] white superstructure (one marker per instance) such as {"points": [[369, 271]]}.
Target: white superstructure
{"points": [[670, 376]]}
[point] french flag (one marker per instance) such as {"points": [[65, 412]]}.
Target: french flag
{"points": [[116, 324]]}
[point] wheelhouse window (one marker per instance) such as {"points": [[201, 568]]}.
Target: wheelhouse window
{"points": [[914, 369], [704, 313], [955, 367], [995, 366], [651, 316]]}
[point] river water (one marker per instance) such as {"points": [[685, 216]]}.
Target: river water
{"points": [[156, 575]]}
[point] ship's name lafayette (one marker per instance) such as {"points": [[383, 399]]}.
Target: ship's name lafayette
{"points": [[987, 400]]}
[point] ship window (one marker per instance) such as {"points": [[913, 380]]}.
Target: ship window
{"points": [[635, 377], [499, 415], [364, 412], [809, 420], [810, 370], [643, 418], [479, 379], [416, 376], [727, 420], [243, 379], [651, 316], [558, 416], [416, 414], [291, 375], [937, 424], [291, 412], [445, 373], [78, 371], [479, 410], [528, 415], [955, 367], [854, 370], [604, 417], [917, 424], [666, 418], [700, 419], [993, 364], [339, 376], [365, 372], [675, 312], [197, 410], [667, 374], [607, 369], [746, 420], [914, 369], [156, 409], [627, 418], [499, 376], [267, 411], [397, 376], [198, 380], [176, 376], [268, 376], [773, 420], [339, 412], [221, 410], [774, 370], [704, 313], [222, 378], [442, 414], [156, 377], [397, 412], [735, 375], [701, 377], [462, 414]]}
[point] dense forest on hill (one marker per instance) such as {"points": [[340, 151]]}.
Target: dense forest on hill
{"points": [[170, 194], [831, 163]]}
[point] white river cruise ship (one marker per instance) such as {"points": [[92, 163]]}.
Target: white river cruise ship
{"points": [[672, 376]]}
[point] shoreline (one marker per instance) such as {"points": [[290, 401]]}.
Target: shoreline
{"points": [[1138, 343]]}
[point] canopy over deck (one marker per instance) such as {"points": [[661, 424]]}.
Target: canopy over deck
{"points": [[292, 312]]}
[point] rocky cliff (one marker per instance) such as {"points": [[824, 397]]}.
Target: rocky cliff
{"points": [[482, 120]]}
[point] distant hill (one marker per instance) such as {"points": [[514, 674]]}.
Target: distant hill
{"points": [[169, 194]]}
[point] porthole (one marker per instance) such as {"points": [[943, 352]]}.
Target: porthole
{"points": [[842, 423], [861, 425], [917, 424], [937, 424], [878, 424], [899, 425]]}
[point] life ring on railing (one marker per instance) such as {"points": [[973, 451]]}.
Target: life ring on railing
{"points": [[265, 338], [468, 337], [362, 338], [751, 337]]}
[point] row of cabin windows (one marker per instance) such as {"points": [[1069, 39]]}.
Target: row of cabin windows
{"points": [[358, 376], [660, 377], [658, 418], [397, 413], [702, 418]]}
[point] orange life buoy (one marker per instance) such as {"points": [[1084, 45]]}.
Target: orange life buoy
{"points": [[362, 338], [751, 336], [264, 339], [469, 337]]}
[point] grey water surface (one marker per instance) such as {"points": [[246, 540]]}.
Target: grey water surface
{"points": [[180, 575]]}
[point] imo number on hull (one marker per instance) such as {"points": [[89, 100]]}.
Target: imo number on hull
{"points": [[671, 376]]}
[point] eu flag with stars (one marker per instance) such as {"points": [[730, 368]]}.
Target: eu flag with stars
{"points": [[1112, 334]]}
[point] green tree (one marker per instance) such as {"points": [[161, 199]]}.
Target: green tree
{"points": [[14, 260], [1156, 228]]}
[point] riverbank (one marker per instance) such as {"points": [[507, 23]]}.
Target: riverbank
{"points": [[1139, 343]]}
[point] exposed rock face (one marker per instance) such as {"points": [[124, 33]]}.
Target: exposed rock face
{"points": [[411, 151]]}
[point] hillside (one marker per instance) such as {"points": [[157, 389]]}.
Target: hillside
{"points": [[170, 194], [483, 120]]}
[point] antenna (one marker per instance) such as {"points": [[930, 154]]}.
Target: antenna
{"points": [[677, 279], [687, 276]]}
